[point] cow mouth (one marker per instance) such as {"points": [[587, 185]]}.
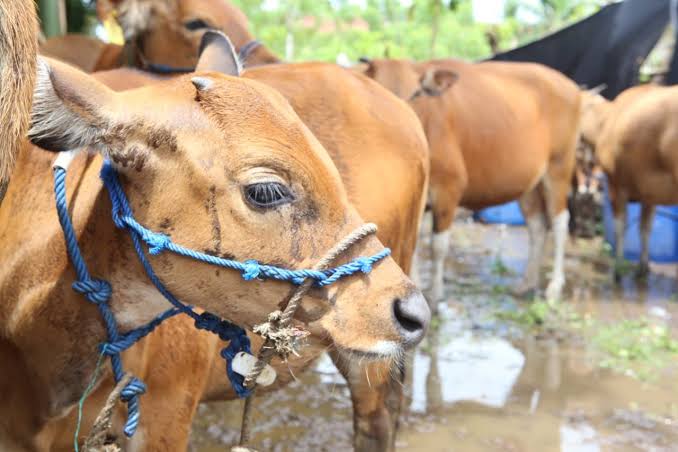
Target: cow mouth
{"points": [[383, 351]]}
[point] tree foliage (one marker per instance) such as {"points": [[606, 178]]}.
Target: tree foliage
{"points": [[418, 29]]}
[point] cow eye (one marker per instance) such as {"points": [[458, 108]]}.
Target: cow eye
{"points": [[267, 195], [196, 24]]}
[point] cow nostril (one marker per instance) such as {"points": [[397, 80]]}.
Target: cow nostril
{"points": [[407, 320]]}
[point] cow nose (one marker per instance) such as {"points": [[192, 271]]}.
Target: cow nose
{"points": [[412, 316]]}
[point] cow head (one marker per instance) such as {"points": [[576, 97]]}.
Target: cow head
{"points": [[169, 31], [409, 80], [223, 165]]}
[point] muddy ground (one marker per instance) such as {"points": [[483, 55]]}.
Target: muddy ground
{"points": [[597, 372]]}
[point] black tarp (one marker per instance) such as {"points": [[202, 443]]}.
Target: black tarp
{"points": [[606, 48]]}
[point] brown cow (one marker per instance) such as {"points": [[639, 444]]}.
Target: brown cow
{"points": [[636, 143], [18, 49], [497, 132], [176, 143], [384, 170], [158, 33], [395, 204]]}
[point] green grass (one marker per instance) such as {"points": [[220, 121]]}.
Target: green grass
{"points": [[499, 268], [639, 348]]}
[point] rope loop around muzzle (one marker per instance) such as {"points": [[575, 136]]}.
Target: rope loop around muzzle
{"points": [[282, 339]]}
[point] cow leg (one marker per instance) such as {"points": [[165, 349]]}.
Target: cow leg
{"points": [[440, 248], [557, 184], [645, 229], [423, 240], [448, 183], [560, 233], [619, 207], [532, 206], [377, 395]]}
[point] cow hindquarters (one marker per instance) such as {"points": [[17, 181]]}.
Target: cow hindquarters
{"points": [[377, 395]]}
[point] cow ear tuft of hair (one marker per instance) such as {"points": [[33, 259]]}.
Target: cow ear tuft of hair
{"points": [[68, 107]]}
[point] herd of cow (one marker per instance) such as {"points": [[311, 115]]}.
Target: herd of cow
{"points": [[329, 147]]}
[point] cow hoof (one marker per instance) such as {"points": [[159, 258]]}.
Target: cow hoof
{"points": [[643, 272], [554, 292], [524, 292], [621, 268], [437, 295]]}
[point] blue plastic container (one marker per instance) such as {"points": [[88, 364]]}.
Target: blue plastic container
{"points": [[663, 237], [508, 213]]}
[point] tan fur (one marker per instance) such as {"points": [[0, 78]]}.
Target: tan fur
{"points": [[84, 52], [233, 125], [502, 131], [636, 143], [18, 49]]}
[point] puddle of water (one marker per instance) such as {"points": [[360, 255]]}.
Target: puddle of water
{"points": [[481, 384]]}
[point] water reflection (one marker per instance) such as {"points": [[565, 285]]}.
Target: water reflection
{"points": [[464, 368]]}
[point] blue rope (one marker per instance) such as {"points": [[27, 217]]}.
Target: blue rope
{"points": [[251, 269], [99, 291]]}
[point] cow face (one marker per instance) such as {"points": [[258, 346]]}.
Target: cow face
{"points": [[169, 31], [223, 165]]}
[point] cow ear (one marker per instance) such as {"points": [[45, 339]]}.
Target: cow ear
{"points": [[68, 108], [435, 82], [218, 54], [365, 66]]}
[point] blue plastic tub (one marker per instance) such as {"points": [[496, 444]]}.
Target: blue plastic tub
{"points": [[663, 237], [508, 213]]}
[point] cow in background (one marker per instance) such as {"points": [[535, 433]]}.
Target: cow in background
{"points": [[635, 139], [497, 132]]}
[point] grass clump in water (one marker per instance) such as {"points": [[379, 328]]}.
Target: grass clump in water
{"points": [[638, 347]]}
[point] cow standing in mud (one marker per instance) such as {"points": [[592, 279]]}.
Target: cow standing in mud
{"points": [[18, 49], [186, 164], [373, 138], [636, 142], [497, 132]]}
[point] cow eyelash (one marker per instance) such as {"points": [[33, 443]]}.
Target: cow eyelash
{"points": [[267, 195], [196, 24]]}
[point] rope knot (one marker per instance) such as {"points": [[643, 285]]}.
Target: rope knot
{"points": [[364, 264], [157, 243], [251, 270], [285, 339], [95, 290], [133, 389]]}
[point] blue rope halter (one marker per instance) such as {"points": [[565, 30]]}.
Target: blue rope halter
{"points": [[99, 291]]}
